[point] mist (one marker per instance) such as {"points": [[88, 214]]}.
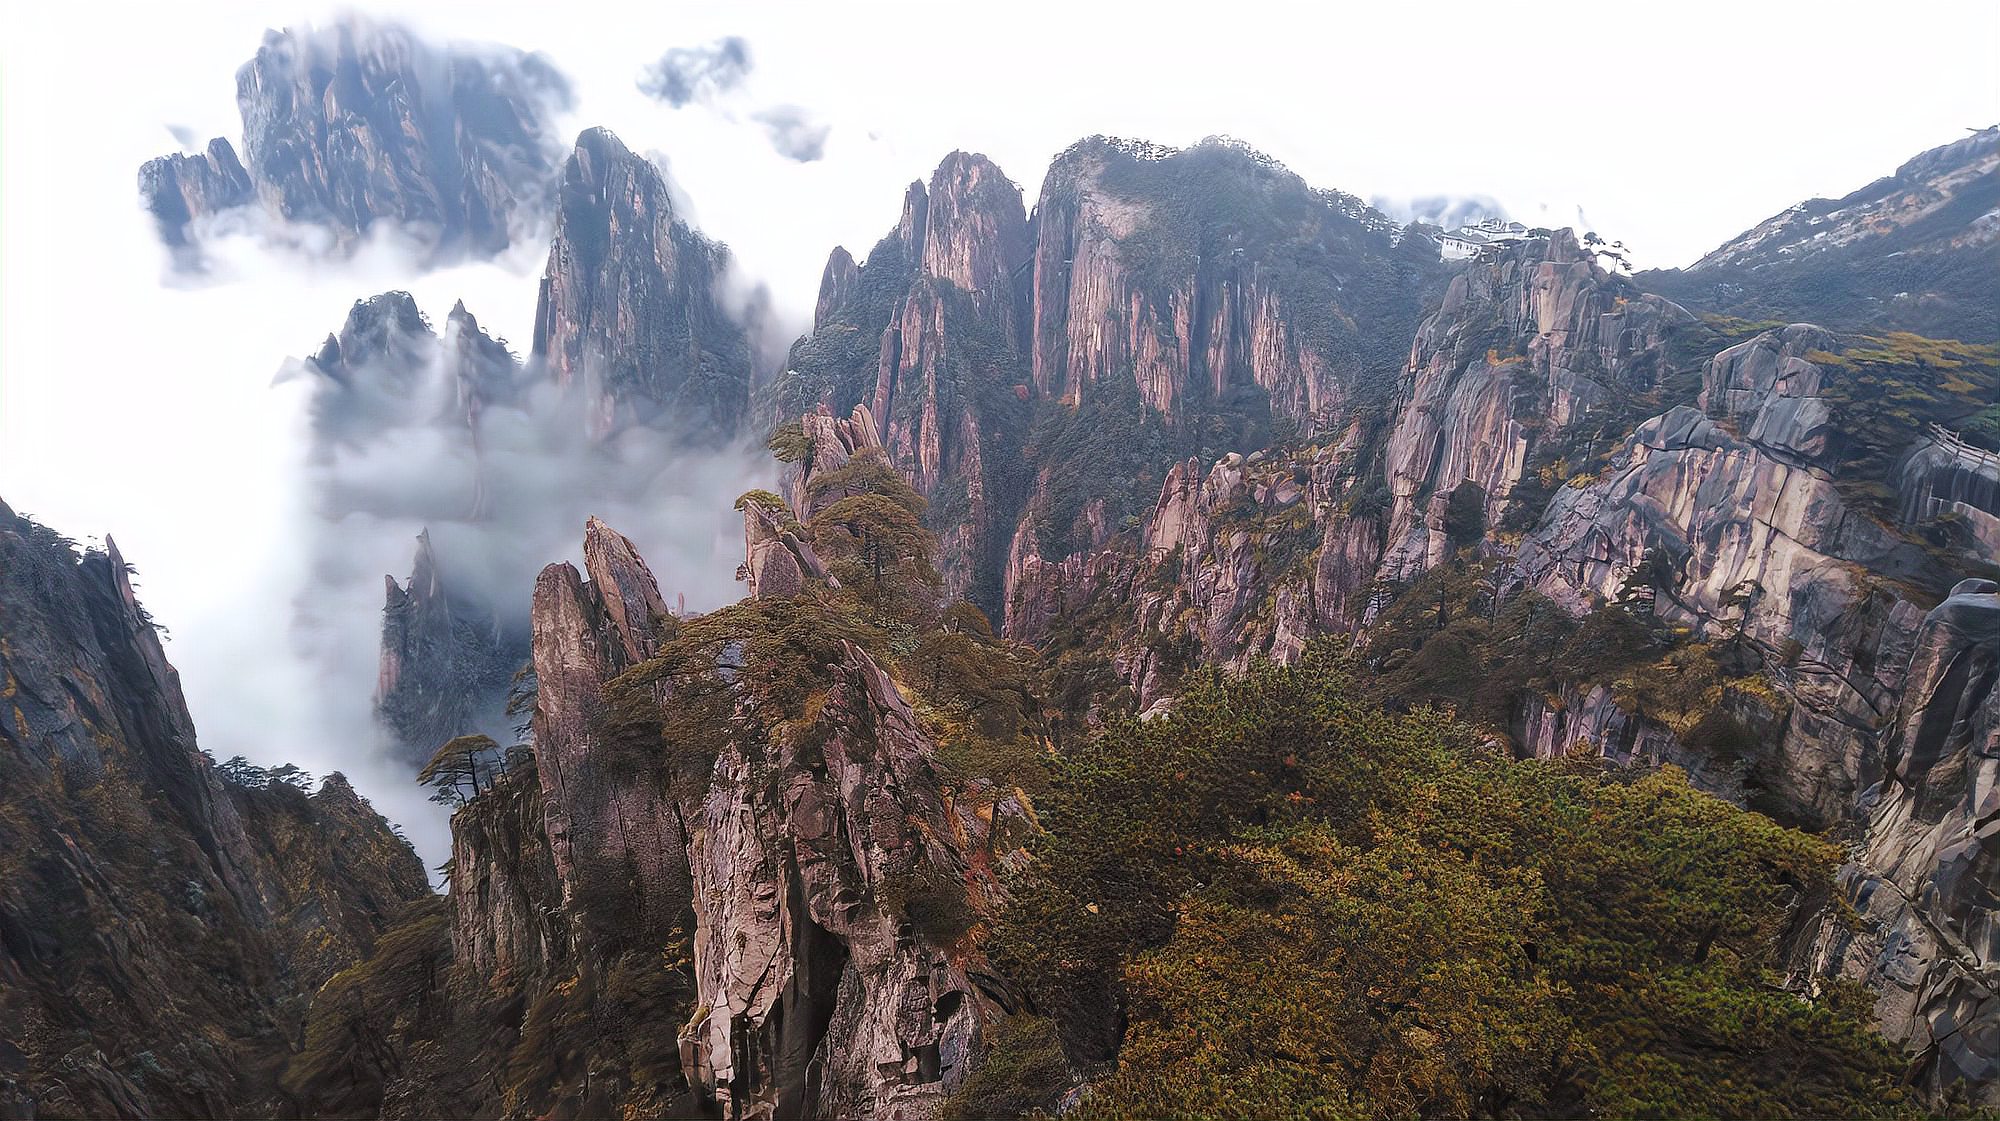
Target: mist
{"points": [[438, 429], [464, 120], [689, 74], [147, 409], [793, 132]]}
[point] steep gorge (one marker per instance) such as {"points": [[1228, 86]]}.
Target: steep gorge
{"points": [[162, 926]]}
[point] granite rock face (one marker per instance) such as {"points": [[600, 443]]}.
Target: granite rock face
{"points": [[630, 316], [1945, 477], [1524, 350], [180, 187], [1185, 298], [163, 927], [1249, 557], [926, 334], [605, 831], [812, 998], [507, 918], [1761, 545], [836, 285], [446, 663], [358, 124], [819, 1001], [1167, 268], [1923, 881]]}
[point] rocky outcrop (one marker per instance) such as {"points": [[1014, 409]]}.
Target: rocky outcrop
{"points": [[1249, 558], [180, 187], [1923, 880], [1158, 299], [1943, 476], [816, 999], [447, 662], [160, 927], [1142, 271], [619, 846], [630, 317], [975, 230], [948, 358], [342, 876], [836, 285], [359, 124], [1588, 722], [1757, 543], [831, 442], [443, 430], [778, 563], [399, 413], [787, 863], [1525, 350], [387, 369]]}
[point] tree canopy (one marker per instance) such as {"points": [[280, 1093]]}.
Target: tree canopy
{"points": [[1282, 901]]}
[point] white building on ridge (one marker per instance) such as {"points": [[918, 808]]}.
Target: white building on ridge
{"points": [[1467, 242]]}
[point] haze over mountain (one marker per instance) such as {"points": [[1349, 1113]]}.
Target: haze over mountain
{"points": [[1205, 644]]}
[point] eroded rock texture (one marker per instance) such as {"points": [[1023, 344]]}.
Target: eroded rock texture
{"points": [[1924, 880], [399, 417], [160, 928], [359, 123], [1760, 544], [818, 999], [762, 880], [178, 188], [1156, 302], [1524, 351], [1945, 477], [812, 997], [630, 315], [447, 661]]}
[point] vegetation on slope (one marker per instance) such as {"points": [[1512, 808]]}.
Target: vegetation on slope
{"points": [[1283, 901]]}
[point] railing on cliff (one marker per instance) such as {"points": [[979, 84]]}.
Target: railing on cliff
{"points": [[1956, 445]]}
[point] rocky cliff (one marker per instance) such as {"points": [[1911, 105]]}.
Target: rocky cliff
{"points": [[1207, 274], [630, 315], [1769, 514], [400, 428], [1524, 355], [1944, 477], [181, 187], [926, 335], [1526, 372], [1923, 880], [737, 842], [1733, 517], [162, 926], [1186, 412], [360, 123], [447, 662], [639, 368], [1037, 378]]}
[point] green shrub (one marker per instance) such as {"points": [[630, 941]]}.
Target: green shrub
{"points": [[1022, 1072], [1281, 901]]}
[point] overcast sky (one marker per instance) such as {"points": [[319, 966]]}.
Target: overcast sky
{"points": [[146, 410]]}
